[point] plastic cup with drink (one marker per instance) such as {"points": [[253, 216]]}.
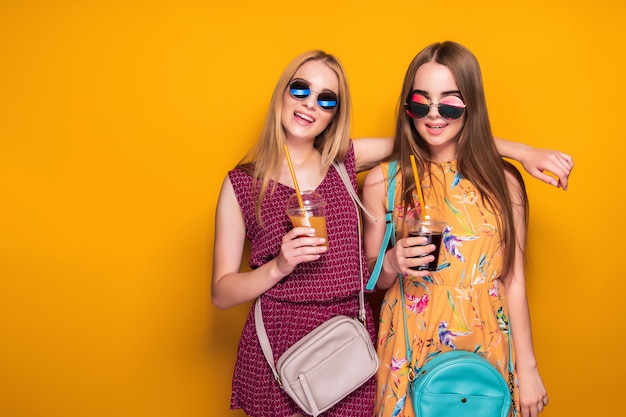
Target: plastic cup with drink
{"points": [[310, 213], [427, 226], [306, 208], [424, 221]]}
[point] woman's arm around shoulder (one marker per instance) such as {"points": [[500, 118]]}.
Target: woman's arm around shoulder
{"points": [[538, 160], [368, 152], [533, 395]]}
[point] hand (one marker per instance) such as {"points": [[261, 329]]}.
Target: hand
{"points": [[536, 161], [533, 395], [408, 253], [299, 245]]}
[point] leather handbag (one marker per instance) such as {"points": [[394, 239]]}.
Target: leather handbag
{"points": [[326, 365], [460, 383], [332, 360], [454, 383]]}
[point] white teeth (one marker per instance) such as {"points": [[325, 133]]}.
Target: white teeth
{"points": [[305, 117]]}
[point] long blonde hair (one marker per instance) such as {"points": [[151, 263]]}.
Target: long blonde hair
{"points": [[478, 159], [264, 160]]}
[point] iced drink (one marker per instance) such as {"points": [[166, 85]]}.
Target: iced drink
{"points": [[311, 215], [433, 231]]}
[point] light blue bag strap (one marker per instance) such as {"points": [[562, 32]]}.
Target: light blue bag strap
{"points": [[389, 228]]}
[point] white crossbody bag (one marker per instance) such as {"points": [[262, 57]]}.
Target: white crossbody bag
{"points": [[332, 360]]}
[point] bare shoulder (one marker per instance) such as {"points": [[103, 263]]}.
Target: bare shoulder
{"points": [[374, 176], [227, 199], [374, 190], [227, 186]]}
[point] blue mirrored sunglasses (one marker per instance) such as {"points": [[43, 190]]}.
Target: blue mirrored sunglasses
{"points": [[300, 89]]}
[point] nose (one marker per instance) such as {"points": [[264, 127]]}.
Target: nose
{"points": [[433, 110], [310, 101]]}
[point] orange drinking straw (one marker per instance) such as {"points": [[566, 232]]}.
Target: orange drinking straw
{"points": [[293, 177], [418, 186]]}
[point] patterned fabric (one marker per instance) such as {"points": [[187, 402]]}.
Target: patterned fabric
{"points": [[461, 306], [312, 294]]}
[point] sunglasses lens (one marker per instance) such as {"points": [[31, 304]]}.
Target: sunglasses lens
{"points": [[450, 112], [299, 89], [327, 101], [417, 105], [451, 108]]}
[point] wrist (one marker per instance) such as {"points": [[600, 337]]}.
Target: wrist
{"points": [[275, 273], [388, 268], [522, 366]]}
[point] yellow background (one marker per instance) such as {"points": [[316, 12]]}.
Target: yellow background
{"points": [[119, 120]]}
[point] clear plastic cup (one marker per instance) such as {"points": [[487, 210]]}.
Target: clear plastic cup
{"points": [[313, 214], [429, 226]]}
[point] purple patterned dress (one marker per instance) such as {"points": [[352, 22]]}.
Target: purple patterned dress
{"points": [[311, 294]]}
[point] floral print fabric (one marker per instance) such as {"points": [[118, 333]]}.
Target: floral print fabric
{"points": [[461, 306]]}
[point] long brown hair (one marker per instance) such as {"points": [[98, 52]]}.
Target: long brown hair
{"points": [[264, 160], [477, 157]]}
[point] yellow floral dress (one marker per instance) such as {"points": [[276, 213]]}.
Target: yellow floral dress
{"points": [[460, 306]]}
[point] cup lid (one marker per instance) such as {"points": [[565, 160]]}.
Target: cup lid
{"points": [[311, 199]]}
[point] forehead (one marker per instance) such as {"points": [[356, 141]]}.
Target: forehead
{"points": [[434, 78], [319, 75]]}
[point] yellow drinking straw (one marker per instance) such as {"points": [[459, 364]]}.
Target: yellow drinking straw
{"points": [[293, 176], [418, 186]]}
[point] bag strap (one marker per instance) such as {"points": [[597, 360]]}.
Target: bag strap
{"points": [[389, 227], [340, 167], [264, 341], [258, 315]]}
